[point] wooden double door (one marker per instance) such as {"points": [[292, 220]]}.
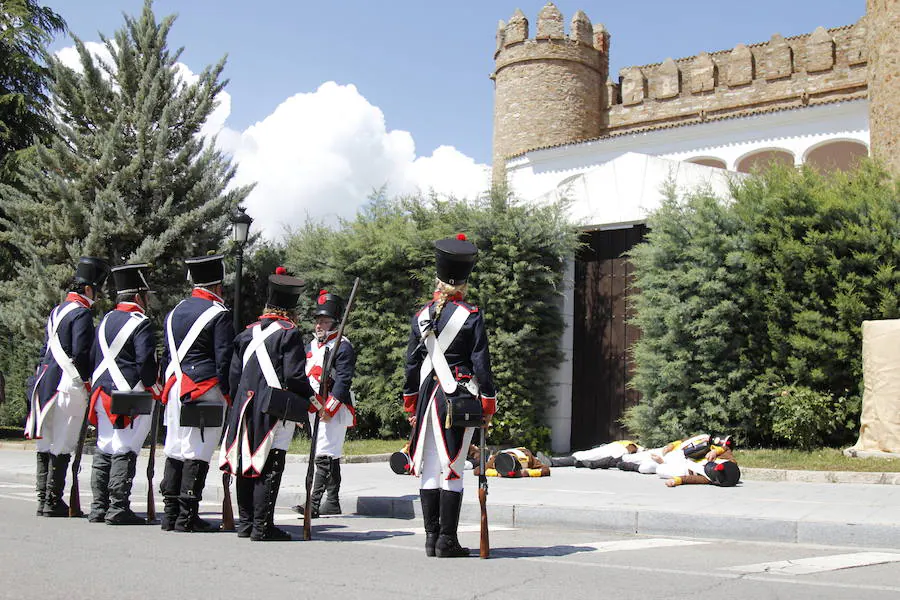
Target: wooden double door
{"points": [[602, 336]]}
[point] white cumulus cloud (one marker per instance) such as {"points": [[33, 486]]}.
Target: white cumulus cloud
{"points": [[320, 155]]}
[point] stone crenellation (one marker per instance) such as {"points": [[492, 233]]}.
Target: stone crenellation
{"points": [[554, 88]]}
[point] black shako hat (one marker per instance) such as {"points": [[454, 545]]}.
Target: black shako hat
{"points": [[130, 279], [206, 270], [455, 258], [724, 474], [91, 271], [284, 290], [328, 304]]}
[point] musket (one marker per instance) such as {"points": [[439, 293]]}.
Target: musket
{"points": [[227, 510], [151, 461], [74, 492], [327, 363], [484, 548]]}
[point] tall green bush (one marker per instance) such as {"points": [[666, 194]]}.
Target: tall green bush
{"points": [[763, 293], [516, 284]]}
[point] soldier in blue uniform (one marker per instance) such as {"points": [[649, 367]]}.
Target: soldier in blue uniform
{"points": [[447, 344], [197, 354], [268, 354], [124, 360], [336, 413], [58, 400]]}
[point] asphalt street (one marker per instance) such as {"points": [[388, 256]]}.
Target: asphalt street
{"points": [[373, 558]]}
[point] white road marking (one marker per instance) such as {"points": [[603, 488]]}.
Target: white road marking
{"points": [[639, 544], [818, 564], [294, 518]]}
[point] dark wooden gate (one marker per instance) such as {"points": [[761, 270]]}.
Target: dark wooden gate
{"points": [[602, 364]]}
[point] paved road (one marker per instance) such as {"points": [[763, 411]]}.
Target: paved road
{"points": [[374, 558]]}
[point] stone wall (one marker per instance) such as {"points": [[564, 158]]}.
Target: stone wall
{"points": [[884, 80], [554, 89]]}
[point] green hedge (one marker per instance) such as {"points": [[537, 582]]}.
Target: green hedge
{"points": [[751, 309]]}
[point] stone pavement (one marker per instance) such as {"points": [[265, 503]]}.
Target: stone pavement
{"points": [[843, 509]]}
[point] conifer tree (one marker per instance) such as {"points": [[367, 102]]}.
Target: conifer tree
{"points": [[130, 179]]}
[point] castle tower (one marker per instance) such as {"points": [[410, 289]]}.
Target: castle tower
{"points": [[547, 90], [883, 22]]}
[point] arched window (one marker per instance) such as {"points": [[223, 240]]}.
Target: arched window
{"points": [[708, 161], [837, 155], [763, 158]]}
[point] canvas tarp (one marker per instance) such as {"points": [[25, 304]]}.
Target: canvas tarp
{"points": [[879, 430]]}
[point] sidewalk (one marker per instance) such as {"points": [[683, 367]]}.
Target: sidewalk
{"points": [[792, 510]]}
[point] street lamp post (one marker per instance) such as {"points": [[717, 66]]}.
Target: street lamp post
{"points": [[240, 223]]}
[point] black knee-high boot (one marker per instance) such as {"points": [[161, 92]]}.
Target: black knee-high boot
{"points": [[100, 486], [244, 487], [56, 484], [431, 514], [170, 488], [43, 468], [121, 478], [265, 494], [448, 544], [193, 478], [332, 503]]}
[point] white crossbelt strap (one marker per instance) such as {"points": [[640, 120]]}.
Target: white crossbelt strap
{"points": [[177, 354], [257, 346], [437, 345], [59, 355], [111, 351]]}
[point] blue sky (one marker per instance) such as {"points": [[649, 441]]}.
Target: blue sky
{"points": [[422, 66]]}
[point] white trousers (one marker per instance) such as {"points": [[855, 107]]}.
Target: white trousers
{"points": [[121, 441], [186, 443], [674, 465], [62, 423], [330, 441], [432, 475], [612, 449]]}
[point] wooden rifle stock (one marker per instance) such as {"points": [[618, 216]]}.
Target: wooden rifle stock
{"points": [[74, 492], [151, 461], [327, 363], [227, 510], [484, 547]]}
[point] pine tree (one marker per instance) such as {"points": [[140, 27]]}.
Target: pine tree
{"points": [[130, 179]]}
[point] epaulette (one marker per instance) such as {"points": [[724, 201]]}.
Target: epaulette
{"points": [[469, 307]]}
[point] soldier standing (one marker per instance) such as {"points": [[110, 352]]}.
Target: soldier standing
{"points": [[124, 360], [269, 355], [336, 413], [58, 400], [457, 350], [197, 353]]}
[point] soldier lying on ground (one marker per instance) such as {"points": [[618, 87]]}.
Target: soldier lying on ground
{"points": [[600, 457], [512, 462], [717, 466]]}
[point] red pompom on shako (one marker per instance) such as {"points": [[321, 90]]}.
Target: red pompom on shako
{"points": [[322, 296], [280, 271], [454, 259]]}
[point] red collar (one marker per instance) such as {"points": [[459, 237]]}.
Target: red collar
{"points": [[206, 295], [129, 307], [275, 317], [328, 337], [454, 298], [82, 300]]}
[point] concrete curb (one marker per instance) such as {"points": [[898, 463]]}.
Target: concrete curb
{"points": [[649, 522]]}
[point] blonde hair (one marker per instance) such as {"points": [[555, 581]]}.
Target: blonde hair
{"points": [[447, 291]]}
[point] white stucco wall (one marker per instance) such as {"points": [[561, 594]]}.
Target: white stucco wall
{"points": [[797, 131]]}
